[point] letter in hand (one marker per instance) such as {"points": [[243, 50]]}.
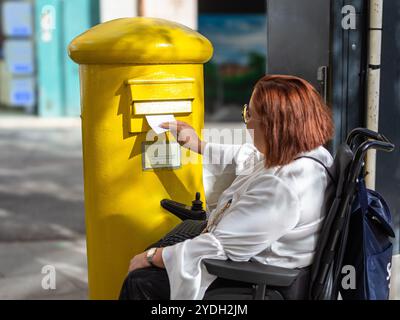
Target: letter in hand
{"points": [[185, 135]]}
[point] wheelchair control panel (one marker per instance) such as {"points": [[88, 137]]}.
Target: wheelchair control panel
{"points": [[184, 212]]}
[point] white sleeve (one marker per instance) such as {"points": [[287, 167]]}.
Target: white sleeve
{"points": [[266, 212], [221, 163], [187, 274]]}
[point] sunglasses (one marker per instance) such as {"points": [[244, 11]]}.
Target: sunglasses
{"points": [[245, 114]]}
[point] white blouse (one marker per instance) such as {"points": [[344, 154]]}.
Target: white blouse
{"points": [[274, 218]]}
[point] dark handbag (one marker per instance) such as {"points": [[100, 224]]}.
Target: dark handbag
{"points": [[369, 248], [187, 229]]}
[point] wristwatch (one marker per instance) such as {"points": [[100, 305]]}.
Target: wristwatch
{"points": [[150, 255]]}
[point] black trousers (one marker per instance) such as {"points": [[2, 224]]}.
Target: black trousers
{"points": [[153, 284], [146, 284]]}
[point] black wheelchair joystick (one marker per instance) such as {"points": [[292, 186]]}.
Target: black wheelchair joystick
{"points": [[197, 204], [184, 212]]}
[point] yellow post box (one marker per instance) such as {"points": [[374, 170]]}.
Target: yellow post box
{"points": [[130, 69]]}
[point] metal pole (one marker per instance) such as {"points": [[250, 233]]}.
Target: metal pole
{"points": [[373, 81]]}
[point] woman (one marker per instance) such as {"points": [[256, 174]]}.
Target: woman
{"points": [[272, 214]]}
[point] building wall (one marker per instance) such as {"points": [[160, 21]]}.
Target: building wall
{"points": [[114, 9], [181, 11]]}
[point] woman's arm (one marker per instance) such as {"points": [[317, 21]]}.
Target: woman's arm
{"points": [[157, 259], [140, 261], [216, 155]]}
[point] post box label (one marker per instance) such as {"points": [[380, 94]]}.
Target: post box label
{"points": [[161, 155]]}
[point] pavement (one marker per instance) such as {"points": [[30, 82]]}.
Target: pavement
{"points": [[41, 209], [25, 270]]}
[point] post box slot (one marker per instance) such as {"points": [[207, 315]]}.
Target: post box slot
{"points": [[144, 108], [149, 96]]}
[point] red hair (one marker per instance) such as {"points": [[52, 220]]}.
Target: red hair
{"points": [[294, 117]]}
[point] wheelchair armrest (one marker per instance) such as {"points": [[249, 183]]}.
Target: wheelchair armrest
{"points": [[252, 272]]}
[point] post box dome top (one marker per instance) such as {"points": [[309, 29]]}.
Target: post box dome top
{"points": [[140, 41]]}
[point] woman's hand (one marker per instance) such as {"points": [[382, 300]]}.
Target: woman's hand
{"points": [[139, 262], [185, 135]]}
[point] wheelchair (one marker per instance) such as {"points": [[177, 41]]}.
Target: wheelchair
{"points": [[320, 281]]}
